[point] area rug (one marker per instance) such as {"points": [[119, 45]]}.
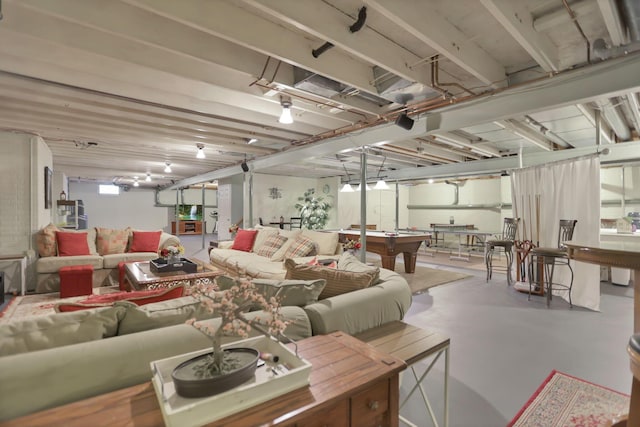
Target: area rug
{"points": [[563, 400], [21, 307], [425, 277]]}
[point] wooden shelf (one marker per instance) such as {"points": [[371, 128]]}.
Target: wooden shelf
{"points": [[186, 227]]}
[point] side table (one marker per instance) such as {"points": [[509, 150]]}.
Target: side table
{"points": [[413, 344]]}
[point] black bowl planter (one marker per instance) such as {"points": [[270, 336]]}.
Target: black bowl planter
{"points": [[188, 384]]}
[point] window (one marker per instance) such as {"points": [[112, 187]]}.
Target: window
{"points": [[108, 189]]}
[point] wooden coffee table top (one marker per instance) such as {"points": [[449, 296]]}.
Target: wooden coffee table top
{"points": [[141, 276], [341, 367]]}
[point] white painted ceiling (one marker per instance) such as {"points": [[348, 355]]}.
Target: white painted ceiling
{"points": [[118, 88]]}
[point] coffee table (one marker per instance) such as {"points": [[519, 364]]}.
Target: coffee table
{"points": [[142, 278]]}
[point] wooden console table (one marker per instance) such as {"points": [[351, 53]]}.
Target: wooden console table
{"points": [[351, 384], [623, 255], [413, 344]]}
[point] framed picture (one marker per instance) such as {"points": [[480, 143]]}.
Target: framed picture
{"points": [[48, 176]]}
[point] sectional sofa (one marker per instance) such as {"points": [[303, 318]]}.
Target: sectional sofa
{"points": [[264, 256], [106, 248], [62, 358]]}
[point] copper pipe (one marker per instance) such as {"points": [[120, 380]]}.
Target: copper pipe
{"points": [[434, 70]]}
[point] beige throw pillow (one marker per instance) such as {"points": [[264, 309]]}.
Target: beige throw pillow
{"points": [[326, 241], [291, 292], [338, 281]]}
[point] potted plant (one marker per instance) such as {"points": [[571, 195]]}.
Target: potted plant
{"points": [[222, 370], [314, 211]]}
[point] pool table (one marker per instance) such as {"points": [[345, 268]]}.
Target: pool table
{"points": [[389, 246]]}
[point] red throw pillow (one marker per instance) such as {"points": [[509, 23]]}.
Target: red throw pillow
{"points": [[244, 240], [137, 297], [70, 244], [145, 241]]}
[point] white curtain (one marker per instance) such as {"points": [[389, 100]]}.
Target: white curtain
{"points": [[542, 196]]}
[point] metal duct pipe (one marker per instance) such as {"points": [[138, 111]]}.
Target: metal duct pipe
{"points": [[455, 200], [615, 119]]}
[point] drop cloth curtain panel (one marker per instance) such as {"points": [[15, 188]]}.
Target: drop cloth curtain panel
{"points": [[563, 190]]}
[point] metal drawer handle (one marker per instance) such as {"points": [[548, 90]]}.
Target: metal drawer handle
{"points": [[373, 405]]}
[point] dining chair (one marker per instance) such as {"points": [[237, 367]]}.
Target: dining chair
{"points": [[295, 222], [505, 243], [549, 258]]}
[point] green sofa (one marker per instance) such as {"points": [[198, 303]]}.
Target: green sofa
{"points": [[100, 350]]}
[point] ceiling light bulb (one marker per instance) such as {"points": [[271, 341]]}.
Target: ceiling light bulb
{"points": [[381, 185], [285, 117], [200, 154], [167, 169], [148, 178], [135, 181], [252, 140], [347, 188]]}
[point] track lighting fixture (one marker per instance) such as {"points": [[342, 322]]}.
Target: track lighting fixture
{"points": [[285, 117], [200, 154], [167, 168], [404, 121]]}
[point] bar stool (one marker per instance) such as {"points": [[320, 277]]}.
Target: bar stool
{"points": [[506, 242], [550, 257]]}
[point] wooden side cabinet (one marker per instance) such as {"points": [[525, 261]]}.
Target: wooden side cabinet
{"points": [[186, 227]]}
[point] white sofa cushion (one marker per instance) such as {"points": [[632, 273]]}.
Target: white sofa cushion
{"points": [[52, 264], [327, 241]]}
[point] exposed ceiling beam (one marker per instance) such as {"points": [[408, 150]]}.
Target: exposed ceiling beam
{"points": [[517, 20], [560, 16], [614, 117], [611, 15], [590, 114], [571, 87], [226, 20], [424, 23], [525, 133], [328, 23], [623, 152], [609, 78], [485, 151], [632, 99]]}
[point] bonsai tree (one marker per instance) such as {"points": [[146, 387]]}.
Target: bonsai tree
{"points": [[314, 211], [230, 304]]}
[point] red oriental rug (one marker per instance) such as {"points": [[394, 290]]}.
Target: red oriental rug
{"points": [[563, 400]]}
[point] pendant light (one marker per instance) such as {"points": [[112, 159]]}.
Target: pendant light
{"points": [[381, 184], [347, 188], [167, 168], [285, 116], [200, 154]]}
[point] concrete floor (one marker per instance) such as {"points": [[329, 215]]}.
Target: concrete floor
{"points": [[503, 346]]}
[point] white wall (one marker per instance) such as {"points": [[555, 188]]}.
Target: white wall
{"points": [[487, 191], [270, 209], [134, 208], [612, 190], [381, 208]]}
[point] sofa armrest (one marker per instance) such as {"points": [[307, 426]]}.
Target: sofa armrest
{"points": [[167, 239], [225, 244], [360, 310]]}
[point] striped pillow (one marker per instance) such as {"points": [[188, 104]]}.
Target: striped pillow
{"points": [[338, 281], [300, 247], [271, 245]]}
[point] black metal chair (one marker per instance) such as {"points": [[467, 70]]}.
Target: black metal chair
{"points": [[550, 258], [505, 242], [295, 222]]}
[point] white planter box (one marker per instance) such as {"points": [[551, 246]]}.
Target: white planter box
{"points": [[182, 411]]}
